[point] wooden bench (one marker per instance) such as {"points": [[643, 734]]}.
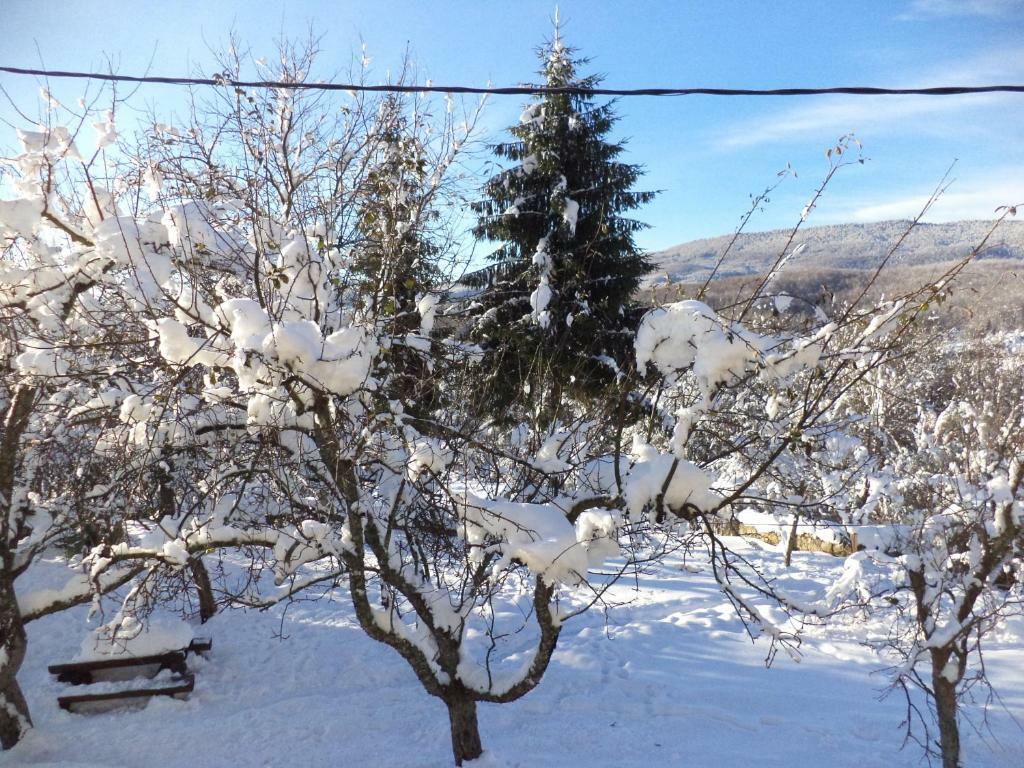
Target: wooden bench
{"points": [[127, 668], [179, 687]]}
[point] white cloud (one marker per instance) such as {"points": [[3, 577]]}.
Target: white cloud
{"points": [[973, 198], [831, 116], [834, 116], [943, 8]]}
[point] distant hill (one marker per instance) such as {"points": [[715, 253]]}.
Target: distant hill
{"points": [[841, 246]]}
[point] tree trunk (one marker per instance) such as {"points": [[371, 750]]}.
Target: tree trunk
{"points": [[791, 540], [465, 729], [204, 589], [945, 705], [14, 717]]}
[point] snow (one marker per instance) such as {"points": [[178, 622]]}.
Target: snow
{"points": [[106, 134], [428, 455], [40, 358], [295, 343], [884, 538], [153, 181], [598, 474], [783, 301], [246, 321], [340, 362], [176, 346], [688, 339], [296, 346], [131, 637], [189, 227], [665, 677], [834, 246], [596, 532], [541, 258], [547, 459], [539, 301], [134, 409], [885, 322], [532, 114], [426, 305], [689, 483], [570, 213], [689, 333], [20, 217], [538, 535]]}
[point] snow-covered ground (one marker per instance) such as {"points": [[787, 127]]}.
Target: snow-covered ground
{"points": [[667, 679]]}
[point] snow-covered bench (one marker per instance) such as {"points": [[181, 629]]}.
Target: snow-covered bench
{"points": [[128, 667], [178, 686], [111, 678]]}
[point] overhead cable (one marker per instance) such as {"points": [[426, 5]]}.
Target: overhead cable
{"points": [[518, 90]]}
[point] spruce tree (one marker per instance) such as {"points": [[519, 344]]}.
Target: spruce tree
{"points": [[394, 261], [393, 266], [558, 294]]}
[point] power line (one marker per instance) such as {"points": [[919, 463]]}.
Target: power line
{"points": [[520, 90]]}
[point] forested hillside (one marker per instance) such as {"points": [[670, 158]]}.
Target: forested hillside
{"points": [[838, 246]]}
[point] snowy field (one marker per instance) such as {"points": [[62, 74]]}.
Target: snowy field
{"points": [[668, 678]]}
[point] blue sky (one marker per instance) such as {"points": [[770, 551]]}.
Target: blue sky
{"points": [[707, 154]]}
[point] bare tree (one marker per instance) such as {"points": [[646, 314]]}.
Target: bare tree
{"points": [[950, 566]]}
